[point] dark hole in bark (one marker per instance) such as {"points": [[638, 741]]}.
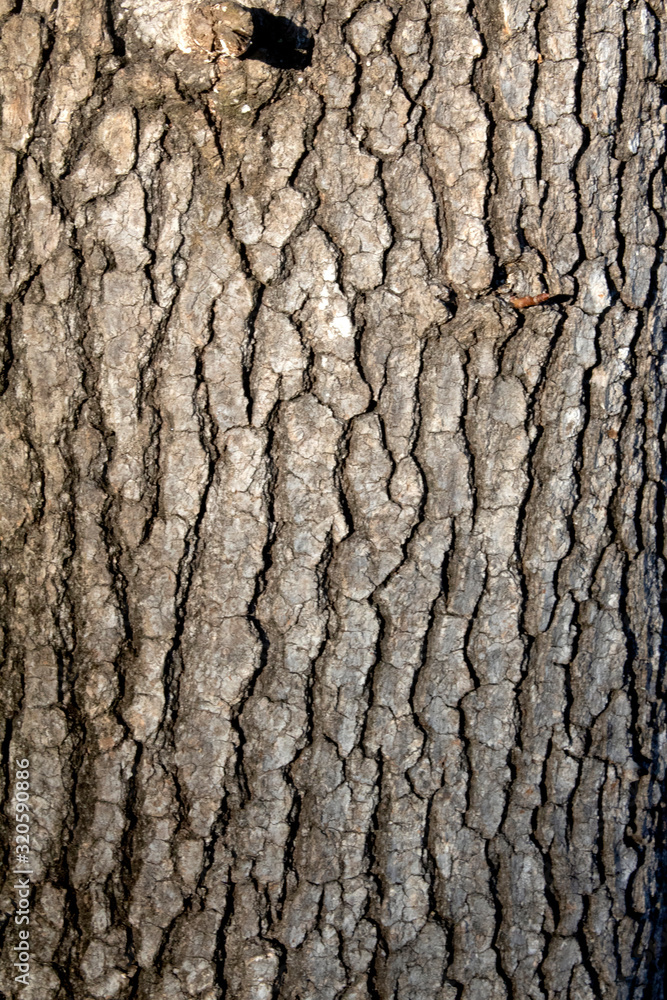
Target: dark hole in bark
{"points": [[278, 41]]}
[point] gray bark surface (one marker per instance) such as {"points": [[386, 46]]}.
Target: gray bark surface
{"points": [[333, 583]]}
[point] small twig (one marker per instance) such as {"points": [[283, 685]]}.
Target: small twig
{"points": [[523, 301]]}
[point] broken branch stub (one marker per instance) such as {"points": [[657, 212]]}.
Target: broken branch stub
{"points": [[221, 29]]}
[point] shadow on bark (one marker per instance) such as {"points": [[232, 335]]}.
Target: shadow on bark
{"points": [[279, 42]]}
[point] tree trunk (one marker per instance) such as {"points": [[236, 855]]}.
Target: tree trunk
{"points": [[333, 568]]}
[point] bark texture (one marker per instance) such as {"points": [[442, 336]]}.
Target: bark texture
{"points": [[333, 582]]}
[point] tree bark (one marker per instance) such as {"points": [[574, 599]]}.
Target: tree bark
{"points": [[333, 572]]}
